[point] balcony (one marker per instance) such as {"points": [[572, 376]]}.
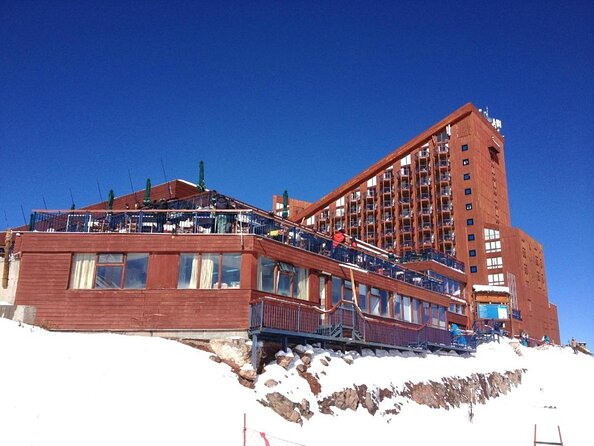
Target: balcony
{"points": [[442, 149], [423, 154], [405, 229]]}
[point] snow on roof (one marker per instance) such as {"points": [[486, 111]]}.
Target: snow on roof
{"points": [[491, 288], [185, 181]]}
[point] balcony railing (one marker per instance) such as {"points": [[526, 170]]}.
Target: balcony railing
{"points": [[347, 323], [216, 221]]}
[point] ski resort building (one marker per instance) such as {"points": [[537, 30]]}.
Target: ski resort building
{"points": [[194, 264], [427, 242], [446, 191]]}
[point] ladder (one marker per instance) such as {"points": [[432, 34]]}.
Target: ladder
{"points": [[555, 443]]}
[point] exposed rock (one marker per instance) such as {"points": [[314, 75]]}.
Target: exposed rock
{"points": [[306, 359], [246, 382], [284, 360], [517, 348], [271, 383], [233, 351], [347, 399], [303, 409], [385, 393], [314, 384], [348, 359], [324, 362], [366, 399], [249, 374], [284, 407], [301, 368], [214, 358]]}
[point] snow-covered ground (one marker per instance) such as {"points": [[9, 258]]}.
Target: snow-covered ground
{"points": [[67, 389]]}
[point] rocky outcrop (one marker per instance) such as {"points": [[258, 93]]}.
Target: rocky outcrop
{"points": [[453, 392], [290, 411], [236, 352], [350, 398]]}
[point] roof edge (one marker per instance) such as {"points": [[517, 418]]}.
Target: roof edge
{"points": [[380, 165]]}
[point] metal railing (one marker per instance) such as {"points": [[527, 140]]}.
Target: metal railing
{"points": [[345, 322], [236, 221]]}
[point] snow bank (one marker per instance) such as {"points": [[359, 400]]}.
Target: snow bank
{"points": [[62, 389]]}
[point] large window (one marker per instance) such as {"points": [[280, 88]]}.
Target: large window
{"points": [[495, 279], [109, 271], [493, 246], [282, 278], [209, 270], [491, 234], [494, 263]]}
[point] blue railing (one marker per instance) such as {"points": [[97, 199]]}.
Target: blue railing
{"points": [[346, 323]]}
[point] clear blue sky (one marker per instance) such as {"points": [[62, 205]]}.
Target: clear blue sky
{"points": [[300, 96]]}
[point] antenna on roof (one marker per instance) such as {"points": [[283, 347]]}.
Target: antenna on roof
{"points": [[132, 187], [166, 180], [23, 212], [44, 203], [99, 189]]}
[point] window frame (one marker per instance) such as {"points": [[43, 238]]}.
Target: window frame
{"points": [[466, 161], [98, 264], [198, 274]]}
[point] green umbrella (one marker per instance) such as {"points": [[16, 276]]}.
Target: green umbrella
{"points": [[285, 204], [201, 185], [147, 193], [110, 197]]}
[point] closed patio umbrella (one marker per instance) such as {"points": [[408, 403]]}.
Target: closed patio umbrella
{"points": [[285, 204], [147, 193], [110, 197]]}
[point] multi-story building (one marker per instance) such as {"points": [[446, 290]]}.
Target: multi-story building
{"points": [[446, 190]]}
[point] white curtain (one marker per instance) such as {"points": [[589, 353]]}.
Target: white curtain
{"points": [[301, 277], [83, 269], [194, 274], [207, 270]]}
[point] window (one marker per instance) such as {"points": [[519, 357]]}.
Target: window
{"points": [[493, 246], [397, 307], [468, 206], [466, 176], [188, 271], [468, 191], [406, 309], [464, 147], [473, 269], [109, 271], [469, 222], [210, 271], [362, 300], [494, 263], [375, 301], [275, 277], [495, 279], [336, 290], [470, 237], [465, 162], [491, 234], [416, 311], [472, 253]]}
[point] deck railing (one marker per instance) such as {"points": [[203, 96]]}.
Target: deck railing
{"points": [[233, 221], [346, 323]]}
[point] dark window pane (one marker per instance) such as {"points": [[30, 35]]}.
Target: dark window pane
{"points": [[266, 274], [188, 271], [231, 270], [108, 277], [136, 266]]}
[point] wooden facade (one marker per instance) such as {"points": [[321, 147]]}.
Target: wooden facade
{"points": [[47, 263]]}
